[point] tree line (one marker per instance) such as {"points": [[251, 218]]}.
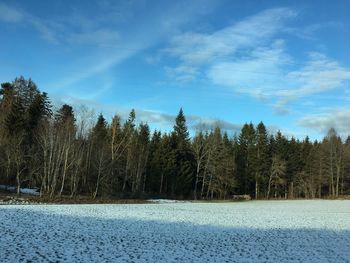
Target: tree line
{"points": [[65, 153]]}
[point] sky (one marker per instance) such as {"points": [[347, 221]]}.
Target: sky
{"points": [[226, 63]]}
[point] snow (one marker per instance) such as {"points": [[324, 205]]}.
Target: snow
{"points": [[165, 201], [256, 231], [29, 191]]}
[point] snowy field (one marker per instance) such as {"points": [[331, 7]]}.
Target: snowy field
{"points": [[261, 231]]}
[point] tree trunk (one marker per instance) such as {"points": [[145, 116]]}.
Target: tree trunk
{"points": [[209, 185], [256, 187], [337, 181], [64, 171], [98, 182], [18, 180], [161, 183], [269, 187], [196, 183]]}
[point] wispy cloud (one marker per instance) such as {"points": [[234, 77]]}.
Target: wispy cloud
{"points": [[250, 57], [309, 32], [9, 14], [73, 30], [100, 37], [267, 75], [259, 74], [198, 49], [110, 38], [246, 57], [320, 74]]}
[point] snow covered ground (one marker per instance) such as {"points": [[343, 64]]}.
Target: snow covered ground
{"points": [[261, 231], [29, 191]]}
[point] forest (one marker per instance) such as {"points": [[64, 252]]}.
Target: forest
{"points": [[66, 152]]}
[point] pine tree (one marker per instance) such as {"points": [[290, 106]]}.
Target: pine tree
{"points": [[262, 160], [7, 97], [169, 165], [100, 156], [27, 90], [184, 174], [117, 148], [245, 159], [228, 166], [130, 136], [155, 162]]}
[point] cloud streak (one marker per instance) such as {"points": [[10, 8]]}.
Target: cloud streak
{"points": [[259, 75], [195, 48], [320, 74], [110, 38], [198, 49], [10, 15], [250, 57]]}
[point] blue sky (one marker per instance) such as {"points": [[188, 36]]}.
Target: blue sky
{"points": [[286, 63]]}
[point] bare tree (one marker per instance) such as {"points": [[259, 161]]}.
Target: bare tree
{"points": [[278, 170]]}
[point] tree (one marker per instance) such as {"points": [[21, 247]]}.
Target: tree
{"points": [[201, 150], [72, 151], [155, 165], [335, 151], [262, 158], [184, 173], [278, 170], [246, 159], [129, 135], [66, 128], [14, 134], [226, 168], [100, 159]]}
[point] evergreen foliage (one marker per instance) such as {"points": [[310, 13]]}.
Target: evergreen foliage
{"points": [[62, 156]]}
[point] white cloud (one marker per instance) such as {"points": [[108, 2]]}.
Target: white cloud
{"points": [[266, 74], [250, 58], [199, 48], [320, 74], [183, 73], [123, 38], [334, 118], [309, 32], [260, 74]]}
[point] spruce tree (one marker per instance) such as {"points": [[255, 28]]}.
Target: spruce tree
{"points": [[155, 170], [262, 161], [246, 159], [100, 157], [184, 174]]}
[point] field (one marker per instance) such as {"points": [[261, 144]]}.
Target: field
{"points": [[257, 231]]}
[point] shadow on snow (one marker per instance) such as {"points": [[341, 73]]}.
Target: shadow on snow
{"points": [[28, 235]]}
